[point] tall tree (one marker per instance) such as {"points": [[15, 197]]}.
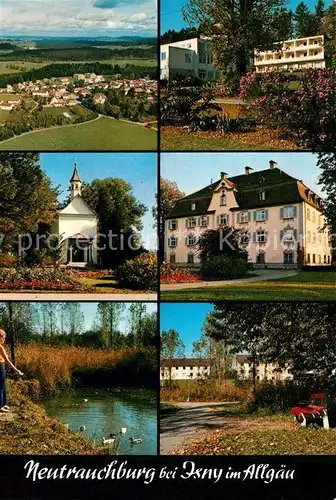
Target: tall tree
{"points": [[27, 198], [328, 29], [137, 313], [171, 346], [219, 351], [169, 195], [304, 21], [236, 28], [120, 215], [75, 320], [109, 316], [327, 179]]}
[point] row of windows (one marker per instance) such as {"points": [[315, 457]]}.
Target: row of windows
{"points": [[261, 236], [191, 368], [317, 259], [242, 217], [288, 258]]}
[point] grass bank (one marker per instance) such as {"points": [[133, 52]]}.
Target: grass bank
{"points": [[29, 430], [204, 391], [101, 134], [50, 369], [306, 285], [255, 434], [177, 138]]}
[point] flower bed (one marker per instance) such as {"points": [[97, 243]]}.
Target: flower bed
{"points": [[37, 279], [180, 278], [174, 274]]}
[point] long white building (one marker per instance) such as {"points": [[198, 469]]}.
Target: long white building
{"points": [[296, 54], [190, 57]]}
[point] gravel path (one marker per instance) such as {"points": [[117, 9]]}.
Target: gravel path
{"points": [[183, 421], [263, 275]]}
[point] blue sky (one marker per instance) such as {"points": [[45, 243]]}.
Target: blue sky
{"points": [[90, 309], [171, 15], [78, 17], [193, 171], [187, 319], [139, 169]]}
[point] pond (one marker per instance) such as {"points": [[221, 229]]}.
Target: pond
{"points": [[106, 411]]}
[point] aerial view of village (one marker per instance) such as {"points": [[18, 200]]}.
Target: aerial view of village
{"points": [[268, 84], [78, 89]]}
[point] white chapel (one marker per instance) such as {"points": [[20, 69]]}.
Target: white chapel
{"points": [[77, 225]]}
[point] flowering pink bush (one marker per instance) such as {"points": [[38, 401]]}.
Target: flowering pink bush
{"points": [[308, 112]]}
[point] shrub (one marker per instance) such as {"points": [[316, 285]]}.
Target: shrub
{"points": [[307, 112], [208, 389], [9, 260], [221, 123], [225, 240], [33, 258], [140, 273], [222, 266]]}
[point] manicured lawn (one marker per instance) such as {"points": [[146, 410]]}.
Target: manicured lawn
{"points": [[176, 138], [307, 285], [101, 134]]}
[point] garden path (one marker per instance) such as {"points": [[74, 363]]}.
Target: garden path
{"points": [[263, 275], [188, 420]]}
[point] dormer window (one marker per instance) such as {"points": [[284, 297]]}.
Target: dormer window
{"points": [[262, 196], [193, 206], [223, 200]]}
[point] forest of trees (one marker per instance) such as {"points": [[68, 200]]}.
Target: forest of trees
{"points": [[61, 69], [80, 54], [63, 323]]}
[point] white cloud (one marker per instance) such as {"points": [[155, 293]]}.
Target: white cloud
{"points": [[76, 16]]}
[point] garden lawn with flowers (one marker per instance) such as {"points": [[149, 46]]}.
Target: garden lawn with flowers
{"points": [[42, 279]]}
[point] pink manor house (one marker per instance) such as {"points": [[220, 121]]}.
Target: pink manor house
{"points": [[283, 218]]}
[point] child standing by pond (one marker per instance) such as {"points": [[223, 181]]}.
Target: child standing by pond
{"points": [[3, 360]]}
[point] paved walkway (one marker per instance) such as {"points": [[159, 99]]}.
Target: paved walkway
{"points": [[183, 421], [263, 275], [79, 297]]}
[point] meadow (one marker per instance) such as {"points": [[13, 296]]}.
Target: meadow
{"points": [[204, 391], [100, 134], [49, 369]]}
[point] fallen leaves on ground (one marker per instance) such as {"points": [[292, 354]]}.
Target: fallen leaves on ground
{"points": [[262, 436]]}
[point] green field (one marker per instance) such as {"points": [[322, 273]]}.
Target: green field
{"points": [[3, 115], [307, 285], [101, 134], [26, 66], [9, 97]]}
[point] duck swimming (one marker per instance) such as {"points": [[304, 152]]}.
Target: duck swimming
{"points": [[133, 440]]}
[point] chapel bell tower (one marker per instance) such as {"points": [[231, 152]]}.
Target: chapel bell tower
{"points": [[76, 183]]}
